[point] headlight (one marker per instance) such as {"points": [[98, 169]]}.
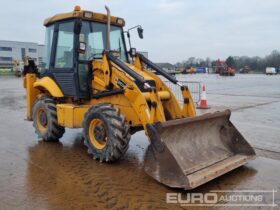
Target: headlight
{"points": [[120, 21], [88, 14]]}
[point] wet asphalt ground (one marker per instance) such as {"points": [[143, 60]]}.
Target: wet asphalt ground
{"points": [[39, 175]]}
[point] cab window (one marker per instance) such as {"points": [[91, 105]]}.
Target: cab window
{"points": [[65, 46], [94, 35], [48, 47]]}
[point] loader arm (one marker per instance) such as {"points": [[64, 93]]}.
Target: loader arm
{"points": [[133, 102], [147, 103], [188, 109]]}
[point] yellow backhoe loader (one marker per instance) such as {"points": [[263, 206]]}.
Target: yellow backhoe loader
{"points": [[91, 81]]}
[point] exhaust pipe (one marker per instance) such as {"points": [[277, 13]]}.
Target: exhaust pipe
{"points": [[108, 47]]}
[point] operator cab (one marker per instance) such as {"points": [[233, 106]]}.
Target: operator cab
{"points": [[72, 41]]}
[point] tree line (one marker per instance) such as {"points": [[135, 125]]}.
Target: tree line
{"points": [[256, 63]]}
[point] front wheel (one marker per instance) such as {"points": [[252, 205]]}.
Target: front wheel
{"points": [[106, 133]]}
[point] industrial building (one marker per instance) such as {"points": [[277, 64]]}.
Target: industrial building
{"points": [[15, 51], [167, 67], [11, 51]]}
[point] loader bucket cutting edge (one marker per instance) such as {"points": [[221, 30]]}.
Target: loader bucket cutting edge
{"points": [[186, 153]]}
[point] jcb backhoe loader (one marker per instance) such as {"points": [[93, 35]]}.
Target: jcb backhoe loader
{"points": [[90, 82]]}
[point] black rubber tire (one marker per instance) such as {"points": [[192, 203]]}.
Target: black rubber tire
{"points": [[117, 130], [53, 131]]}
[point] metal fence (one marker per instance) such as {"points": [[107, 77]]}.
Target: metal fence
{"points": [[194, 87]]}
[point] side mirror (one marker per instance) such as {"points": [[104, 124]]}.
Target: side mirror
{"points": [[128, 35], [140, 32], [82, 47]]}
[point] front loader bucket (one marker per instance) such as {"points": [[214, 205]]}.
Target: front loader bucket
{"points": [[189, 152]]}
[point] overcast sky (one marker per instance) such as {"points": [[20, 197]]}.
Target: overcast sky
{"points": [[173, 29]]}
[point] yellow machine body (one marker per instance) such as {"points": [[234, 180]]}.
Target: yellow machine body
{"points": [[133, 103], [185, 151]]}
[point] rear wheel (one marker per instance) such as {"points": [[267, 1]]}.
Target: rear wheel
{"points": [[45, 120], [106, 133]]}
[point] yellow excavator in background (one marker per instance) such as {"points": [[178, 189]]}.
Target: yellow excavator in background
{"points": [[89, 80]]}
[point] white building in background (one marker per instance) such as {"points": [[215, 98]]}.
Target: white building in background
{"points": [[41, 51], [144, 53], [14, 50]]}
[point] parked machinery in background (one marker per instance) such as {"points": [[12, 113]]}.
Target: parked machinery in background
{"points": [[201, 70], [17, 67], [245, 70], [270, 71], [223, 69], [189, 70]]}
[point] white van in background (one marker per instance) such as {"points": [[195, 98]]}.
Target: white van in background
{"points": [[270, 71]]}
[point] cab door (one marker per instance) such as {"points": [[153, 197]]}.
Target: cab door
{"points": [[64, 62], [62, 58]]}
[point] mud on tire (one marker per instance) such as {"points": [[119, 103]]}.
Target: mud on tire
{"points": [[115, 132], [45, 120]]}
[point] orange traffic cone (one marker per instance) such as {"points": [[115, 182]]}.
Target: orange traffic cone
{"points": [[203, 100]]}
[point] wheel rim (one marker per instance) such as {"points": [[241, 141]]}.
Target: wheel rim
{"points": [[42, 120], [97, 134]]}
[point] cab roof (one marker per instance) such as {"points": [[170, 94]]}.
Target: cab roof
{"points": [[84, 15]]}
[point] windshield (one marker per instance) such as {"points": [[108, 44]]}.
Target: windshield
{"points": [[94, 35]]}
